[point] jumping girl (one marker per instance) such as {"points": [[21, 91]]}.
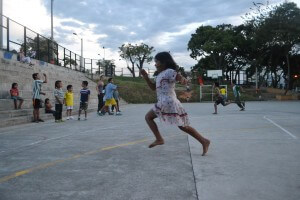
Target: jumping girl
{"points": [[168, 108]]}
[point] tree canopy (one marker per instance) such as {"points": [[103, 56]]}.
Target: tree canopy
{"points": [[268, 40], [137, 55]]}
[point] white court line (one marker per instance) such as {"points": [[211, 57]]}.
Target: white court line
{"points": [[40, 141], [286, 131], [34, 143]]}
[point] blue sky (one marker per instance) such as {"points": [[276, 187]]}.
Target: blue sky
{"points": [[165, 25]]}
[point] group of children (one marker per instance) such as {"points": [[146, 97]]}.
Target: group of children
{"points": [[110, 97], [61, 98], [221, 98]]}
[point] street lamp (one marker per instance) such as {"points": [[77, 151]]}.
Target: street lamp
{"points": [[99, 63], [81, 57], [52, 20], [104, 53], [52, 49]]}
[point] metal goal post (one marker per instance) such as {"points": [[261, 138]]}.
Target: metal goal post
{"points": [[207, 92]]}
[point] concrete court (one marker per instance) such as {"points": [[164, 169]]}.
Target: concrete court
{"points": [[253, 155]]}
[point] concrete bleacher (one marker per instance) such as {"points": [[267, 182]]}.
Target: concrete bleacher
{"points": [[12, 70]]}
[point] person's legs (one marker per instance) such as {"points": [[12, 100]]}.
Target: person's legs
{"points": [[57, 110], [150, 116], [60, 111], [195, 134], [118, 107], [15, 104], [99, 102], [79, 112], [216, 108], [35, 115], [238, 102], [21, 102]]}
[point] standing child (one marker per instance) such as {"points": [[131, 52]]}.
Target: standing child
{"points": [[168, 108], [100, 88], [220, 99], [69, 101], [117, 98], [36, 98], [84, 99], [14, 92], [59, 101], [237, 95]]}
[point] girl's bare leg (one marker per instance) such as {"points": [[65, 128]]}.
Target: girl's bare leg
{"points": [[150, 116], [192, 132]]}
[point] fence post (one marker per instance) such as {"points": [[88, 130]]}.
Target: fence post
{"points": [[122, 72], [57, 54], [75, 63], [70, 60], [83, 64], [92, 68], [25, 46], [64, 57], [38, 46], [7, 29], [48, 41]]}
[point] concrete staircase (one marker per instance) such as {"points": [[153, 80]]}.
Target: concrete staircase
{"points": [[12, 70]]}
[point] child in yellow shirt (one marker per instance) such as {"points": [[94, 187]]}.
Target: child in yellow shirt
{"points": [[69, 101]]}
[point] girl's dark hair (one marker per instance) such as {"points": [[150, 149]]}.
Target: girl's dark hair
{"points": [[57, 83], [109, 80], [166, 59], [46, 100], [13, 85], [217, 84]]}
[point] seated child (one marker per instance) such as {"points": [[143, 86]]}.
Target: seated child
{"points": [[48, 107], [14, 92]]}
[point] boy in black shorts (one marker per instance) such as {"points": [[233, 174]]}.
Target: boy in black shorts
{"points": [[36, 98], [84, 99], [220, 99]]}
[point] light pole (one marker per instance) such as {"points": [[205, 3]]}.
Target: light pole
{"points": [[81, 57], [104, 53], [52, 20], [99, 63], [52, 49]]}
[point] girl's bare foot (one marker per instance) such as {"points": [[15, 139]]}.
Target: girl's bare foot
{"points": [[205, 147], [156, 142]]}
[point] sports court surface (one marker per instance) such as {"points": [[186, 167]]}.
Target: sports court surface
{"points": [[254, 154]]}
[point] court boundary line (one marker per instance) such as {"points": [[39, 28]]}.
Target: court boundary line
{"points": [[280, 127]]}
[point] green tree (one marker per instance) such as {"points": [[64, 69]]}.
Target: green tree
{"points": [[212, 41], [137, 55], [42, 48], [276, 31]]}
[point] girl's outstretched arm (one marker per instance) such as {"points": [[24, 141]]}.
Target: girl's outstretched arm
{"points": [[181, 79], [147, 79]]}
